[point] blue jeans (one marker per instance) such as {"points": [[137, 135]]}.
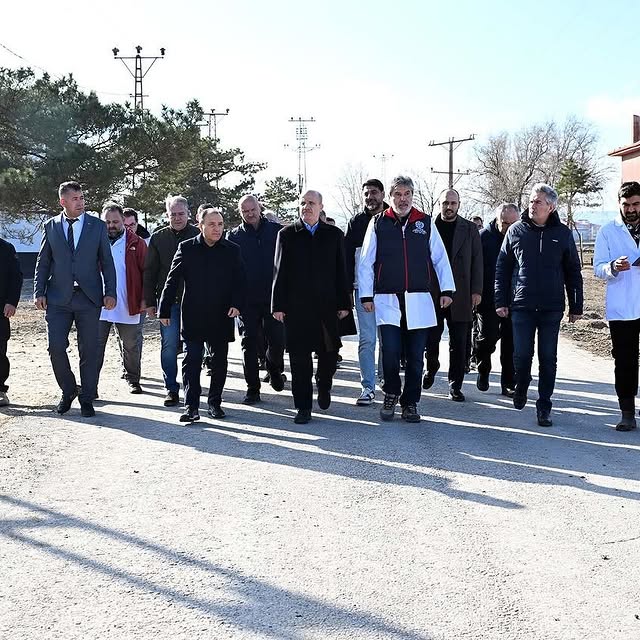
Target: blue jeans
{"points": [[525, 324], [170, 339], [366, 344], [415, 340]]}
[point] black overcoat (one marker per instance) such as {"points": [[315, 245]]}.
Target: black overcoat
{"points": [[10, 284], [214, 281], [310, 285]]}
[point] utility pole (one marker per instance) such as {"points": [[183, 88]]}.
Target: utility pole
{"points": [[383, 163], [302, 149], [138, 74], [212, 118], [451, 142]]}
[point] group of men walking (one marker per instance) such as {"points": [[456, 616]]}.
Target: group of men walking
{"points": [[404, 272]]}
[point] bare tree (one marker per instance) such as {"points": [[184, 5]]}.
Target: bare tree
{"points": [[349, 187], [427, 190]]}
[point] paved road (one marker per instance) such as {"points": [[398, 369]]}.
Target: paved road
{"points": [[475, 523]]}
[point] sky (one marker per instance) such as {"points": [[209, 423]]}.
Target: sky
{"points": [[379, 78]]}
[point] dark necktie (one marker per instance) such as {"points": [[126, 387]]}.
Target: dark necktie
{"points": [[70, 241]]}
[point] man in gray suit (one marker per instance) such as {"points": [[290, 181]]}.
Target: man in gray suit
{"points": [[75, 277]]}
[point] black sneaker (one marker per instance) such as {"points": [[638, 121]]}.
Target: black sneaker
{"points": [[252, 397], [456, 395], [544, 420], [172, 399], [388, 407], [482, 381], [277, 382], [191, 414], [303, 416], [427, 381], [410, 413], [215, 411], [519, 400], [508, 392], [135, 388], [87, 410]]}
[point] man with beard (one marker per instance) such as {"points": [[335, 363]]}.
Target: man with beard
{"points": [[401, 250], [214, 280], [310, 295], [128, 251], [462, 242], [162, 247], [617, 260], [537, 261], [257, 237], [490, 327], [373, 196]]}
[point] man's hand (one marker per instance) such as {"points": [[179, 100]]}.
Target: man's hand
{"points": [[109, 302], [476, 298], [151, 312], [503, 312], [621, 264], [342, 314], [279, 316], [233, 312], [445, 301], [165, 322], [9, 310], [368, 306], [41, 303], [574, 316]]}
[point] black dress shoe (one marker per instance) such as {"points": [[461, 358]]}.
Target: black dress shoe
{"points": [[482, 381], [172, 399], [324, 398], [191, 414], [303, 416], [65, 403], [134, 387], [456, 395], [215, 411], [252, 397], [277, 382], [543, 419], [519, 400], [508, 392], [87, 410], [427, 381]]}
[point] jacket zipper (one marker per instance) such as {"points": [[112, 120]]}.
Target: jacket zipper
{"points": [[406, 265]]}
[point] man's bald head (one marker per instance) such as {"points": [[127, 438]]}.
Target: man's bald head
{"points": [[310, 207]]}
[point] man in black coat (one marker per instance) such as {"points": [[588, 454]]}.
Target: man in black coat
{"points": [[491, 327], [256, 236], [310, 294], [10, 287], [538, 261], [214, 294]]}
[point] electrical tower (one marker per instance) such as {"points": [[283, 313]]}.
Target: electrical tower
{"points": [[302, 149], [383, 165], [451, 142], [138, 74], [212, 119]]}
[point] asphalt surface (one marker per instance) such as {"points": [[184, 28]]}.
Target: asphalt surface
{"points": [[475, 523]]}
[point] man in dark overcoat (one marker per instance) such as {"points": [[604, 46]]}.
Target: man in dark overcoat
{"points": [[214, 294], [310, 295], [10, 288]]}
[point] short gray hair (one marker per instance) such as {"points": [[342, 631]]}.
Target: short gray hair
{"points": [[401, 181], [550, 193], [504, 206], [173, 200]]}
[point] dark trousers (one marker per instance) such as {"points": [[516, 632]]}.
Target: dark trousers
{"points": [[4, 365], [625, 335], [257, 320], [192, 368], [86, 317], [392, 341], [130, 344], [458, 332], [490, 329], [301, 362], [525, 325]]}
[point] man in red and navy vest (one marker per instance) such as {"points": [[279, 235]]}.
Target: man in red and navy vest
{"points": [[401, 262]]}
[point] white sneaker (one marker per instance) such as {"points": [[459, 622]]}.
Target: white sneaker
{"points": [[366, 398], [4, 399]]}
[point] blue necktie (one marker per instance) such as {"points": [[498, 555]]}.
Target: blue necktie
{"points": [[70, 241]]}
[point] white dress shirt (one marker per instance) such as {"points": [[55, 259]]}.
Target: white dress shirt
{"points": [[120, 313], [77, 228]]}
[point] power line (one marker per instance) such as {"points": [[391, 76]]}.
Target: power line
{"points": [[302, 149], [451, 142], [138, 74]]}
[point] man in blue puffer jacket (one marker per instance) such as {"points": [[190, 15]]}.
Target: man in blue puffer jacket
{"points": [[539, 260]]}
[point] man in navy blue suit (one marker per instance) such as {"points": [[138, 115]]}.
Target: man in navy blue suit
{"points": [[75, 277]]}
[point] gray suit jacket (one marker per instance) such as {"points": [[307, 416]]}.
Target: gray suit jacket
{"points": [[57, 267]]}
